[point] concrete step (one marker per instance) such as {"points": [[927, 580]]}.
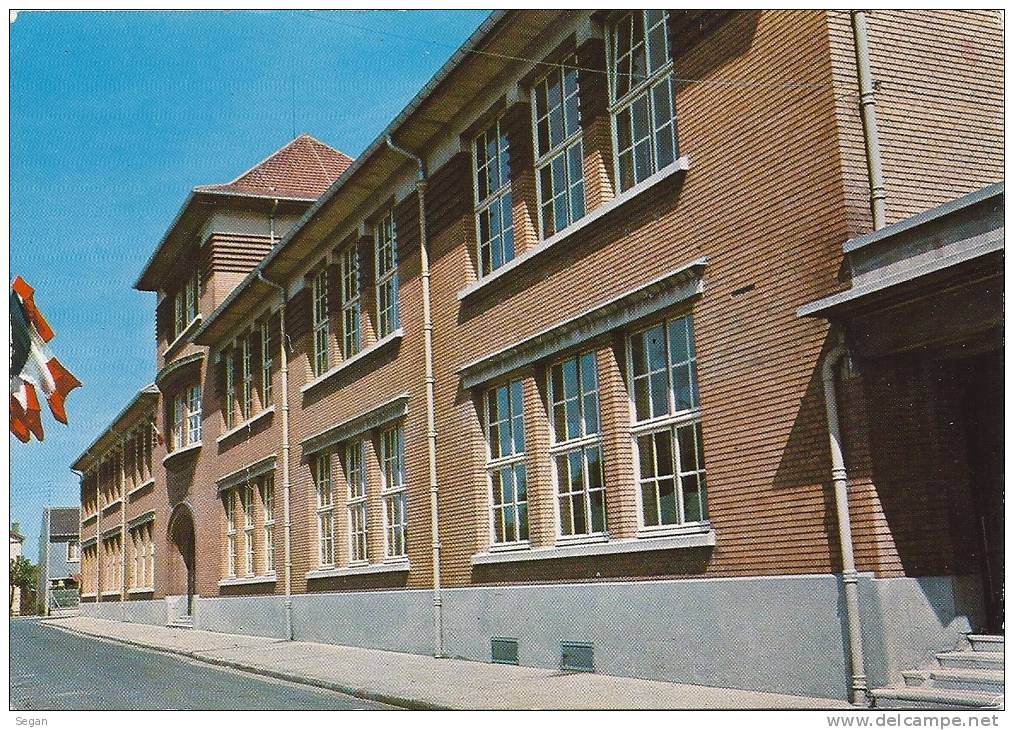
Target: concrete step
{"points": [[970, 659], [933, 698], [986, 642], [974, 680]]}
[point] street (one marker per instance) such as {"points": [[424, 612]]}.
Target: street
{"points": [[56, 670]]}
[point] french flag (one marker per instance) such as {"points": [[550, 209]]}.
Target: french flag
{"points": [[33, 367]]}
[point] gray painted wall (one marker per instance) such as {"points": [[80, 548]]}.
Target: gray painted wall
{"points": [[773, 633]]}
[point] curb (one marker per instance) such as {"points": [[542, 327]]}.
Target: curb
{"points": [[403, 702]]}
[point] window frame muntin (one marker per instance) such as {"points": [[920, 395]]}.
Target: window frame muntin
{"points": [[388, 278], [502, 463], [389, 493], [322, 510], [350, 305], [492, 198], [670, 422], [562, 148], [581, 444], [356, 503], [320, 323], [267, 363], [645, 86]]}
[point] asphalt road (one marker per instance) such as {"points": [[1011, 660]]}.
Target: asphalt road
{"points": [[54, 670]]}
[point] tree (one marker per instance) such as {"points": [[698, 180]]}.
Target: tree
{"points": [[24, 575]]}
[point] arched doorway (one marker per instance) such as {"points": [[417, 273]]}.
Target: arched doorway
{"points": [[182, 567]]}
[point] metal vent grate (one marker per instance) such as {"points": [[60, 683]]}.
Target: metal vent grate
{"points": [[577, 656], [504, 651]]}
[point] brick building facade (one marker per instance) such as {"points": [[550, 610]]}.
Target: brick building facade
{"points": [[547, 383]]}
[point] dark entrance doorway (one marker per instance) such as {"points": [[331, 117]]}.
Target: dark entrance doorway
{"points": [[981, 378], [182, 569]]}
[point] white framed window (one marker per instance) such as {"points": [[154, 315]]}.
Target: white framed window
{"points": [[494, 220], [505, 465], [642, 95], [355, 475], [247, 499], [194, 414], [230, 533], [267, 487], [386, 248], [321, 325], [246, 360], [325, 510], [392, 470], [230, 388], [192, 297], [351, 335], [665, 409], [73, 551], [559, 153], [179, 423], [179, 307], [266, 362], [576, 447]]}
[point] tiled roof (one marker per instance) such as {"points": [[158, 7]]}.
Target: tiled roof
{"points": [[63, 521], [304, 168]]}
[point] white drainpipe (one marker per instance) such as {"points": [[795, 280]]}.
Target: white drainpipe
{"points": [[431, 427], [286, 481], [839, 476]]}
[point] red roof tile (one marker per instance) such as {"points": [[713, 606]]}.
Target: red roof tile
{"points": [[304, 168]]}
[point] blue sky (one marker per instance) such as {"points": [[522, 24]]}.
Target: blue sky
{"points": [[115, 116]]}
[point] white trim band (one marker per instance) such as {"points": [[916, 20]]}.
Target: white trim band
{"points": [[703, 538]]}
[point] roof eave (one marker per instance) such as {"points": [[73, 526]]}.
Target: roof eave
{"points": [[480, 34], [148, 393]]}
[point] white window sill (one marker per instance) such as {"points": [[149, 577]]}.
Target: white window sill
{"points": [[700, 538], [680, 165], [246, 424], [394, 566], [89, 518], [349, 362], [509, 547], [89, 595], [115, 503], [138, 591], [139, 487], [249, 580], [179, 452], [189, 329]]}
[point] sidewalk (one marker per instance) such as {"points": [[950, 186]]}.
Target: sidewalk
{"points": [[410, 680]]}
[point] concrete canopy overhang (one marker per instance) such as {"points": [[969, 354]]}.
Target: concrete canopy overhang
{"points": [[934, 280]]}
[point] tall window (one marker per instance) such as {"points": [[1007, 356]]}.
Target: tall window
{"points": [[191, 294], [142, 562], [230, 533], [392, 468], [559, 154], [230, 388], [355, 474], [325, 510], [667, 428], [179, 424], [246, 402], [179, 321], [642, 94], [247, 498], [351, 338], [266, 362], [194, 414], [506, 465], [267, 485], [577, 446], [493, 217], [321, 327], [388, 319], [73, 551]]}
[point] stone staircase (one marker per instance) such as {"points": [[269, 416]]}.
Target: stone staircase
{"points": [[969, 677], [183, 621]]}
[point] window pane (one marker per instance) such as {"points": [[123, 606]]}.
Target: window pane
{"points": [[646, 454], [667, 501], [664, 456], [688, 450], [692, 502], [649, 504]]}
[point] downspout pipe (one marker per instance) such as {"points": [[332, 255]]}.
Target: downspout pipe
{"points": [[839, 477], [431, 427], [286, 479], [868, 111]]}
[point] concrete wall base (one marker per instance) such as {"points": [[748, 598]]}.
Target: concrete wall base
{"points": [[769, 633]]}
